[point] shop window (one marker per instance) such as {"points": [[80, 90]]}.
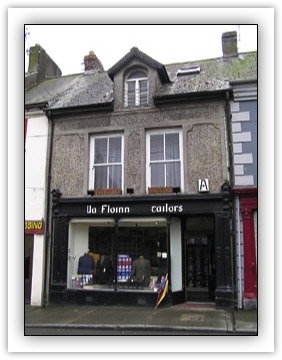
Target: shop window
{"points": [[142, 253], [91, 254], [164, 159], [106, 162], [136, 89], [132, 258]]}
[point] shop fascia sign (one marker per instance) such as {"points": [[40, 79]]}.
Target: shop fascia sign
{"points": [[108, 209], [34, 226]]}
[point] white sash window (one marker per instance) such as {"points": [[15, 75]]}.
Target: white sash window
{"points": [[106, 162], [164, 159], [136, 89]]}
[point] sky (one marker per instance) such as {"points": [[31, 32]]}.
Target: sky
{"points": [[68, 44]]}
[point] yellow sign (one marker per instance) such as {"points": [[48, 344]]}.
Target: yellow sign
{"points": [[34, 227]]}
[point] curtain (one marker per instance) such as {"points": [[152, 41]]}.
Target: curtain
{"points": [[114, 149], [172, 153], [100, 151], [157, 174], [100, 180], [115, 177], [157, 147]]}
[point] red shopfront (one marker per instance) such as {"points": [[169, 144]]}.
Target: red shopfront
{"points": [[248, 208]]}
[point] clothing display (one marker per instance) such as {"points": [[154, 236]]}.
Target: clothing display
{"points": [[85, 264], [141, 270], [105, 270]]}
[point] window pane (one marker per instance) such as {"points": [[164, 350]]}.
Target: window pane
{"points": [[101, 151], [173, 174], [100, 245], [100, 177], [131, 93], [172, 146], [114, 149], [143, 92], [137, 74], [115, 177], [147, 242], [157, 147], [157, 174]]}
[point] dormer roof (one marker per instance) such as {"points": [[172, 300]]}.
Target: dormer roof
{"points": [[135, 53]]}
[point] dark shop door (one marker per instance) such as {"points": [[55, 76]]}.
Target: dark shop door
{"points": [[28, 251], [200, 259]]}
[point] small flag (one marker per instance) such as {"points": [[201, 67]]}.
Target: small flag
{"points": [[162, 290]]}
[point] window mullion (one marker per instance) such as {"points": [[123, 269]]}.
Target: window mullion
{"points": [[126, 94], [164, 147], [108, 157], [137, 93], [164, 159], [93, 177]]}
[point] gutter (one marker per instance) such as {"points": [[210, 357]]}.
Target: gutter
{"points": [[183, 97], [40, 105], [228, 117], [81, 108], [243, 82]]}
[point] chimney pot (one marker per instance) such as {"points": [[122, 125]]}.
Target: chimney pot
{"points": [[229, 44], [92, 63]]}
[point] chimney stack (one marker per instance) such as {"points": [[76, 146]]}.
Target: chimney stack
{"points": [[229, 44], [92, 63], [40, 67]]}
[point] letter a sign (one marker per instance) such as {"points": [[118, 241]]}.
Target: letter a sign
{"points": [[204, 185]]}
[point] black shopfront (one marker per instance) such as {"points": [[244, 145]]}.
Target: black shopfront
{"points": [[187, 237]]}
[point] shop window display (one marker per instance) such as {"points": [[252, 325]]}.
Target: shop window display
{"points": [[131, 257]]}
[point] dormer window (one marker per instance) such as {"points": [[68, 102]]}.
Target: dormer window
{"points": [[136, 89]]}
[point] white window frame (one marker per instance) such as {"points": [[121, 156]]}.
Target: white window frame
{"points": [[91, 185], [148, 162], [137, 81]]}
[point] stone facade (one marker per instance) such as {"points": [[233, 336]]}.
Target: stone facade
{"points": [[204, 139]]}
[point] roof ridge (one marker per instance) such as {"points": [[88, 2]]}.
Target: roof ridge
{"points": [[210, 59]]}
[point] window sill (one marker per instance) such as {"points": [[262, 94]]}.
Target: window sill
{"points": [[160, 190], [104, 192]]}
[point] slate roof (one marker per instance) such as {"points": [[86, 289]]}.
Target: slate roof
{"points": [[215, 74], [72, 90], [95, 88]]}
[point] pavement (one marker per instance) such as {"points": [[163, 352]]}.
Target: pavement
{"points": [[189, 317]]}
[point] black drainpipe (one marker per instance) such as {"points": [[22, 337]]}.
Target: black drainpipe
{"points": [[47, 234], [228, 118]]}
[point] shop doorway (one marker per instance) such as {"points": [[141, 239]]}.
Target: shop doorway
{"points": [[28, 251], [200, 268]]}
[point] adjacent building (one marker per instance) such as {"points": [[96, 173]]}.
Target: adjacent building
{"points": [[244, 139], [141, 165], [37, 144]]}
